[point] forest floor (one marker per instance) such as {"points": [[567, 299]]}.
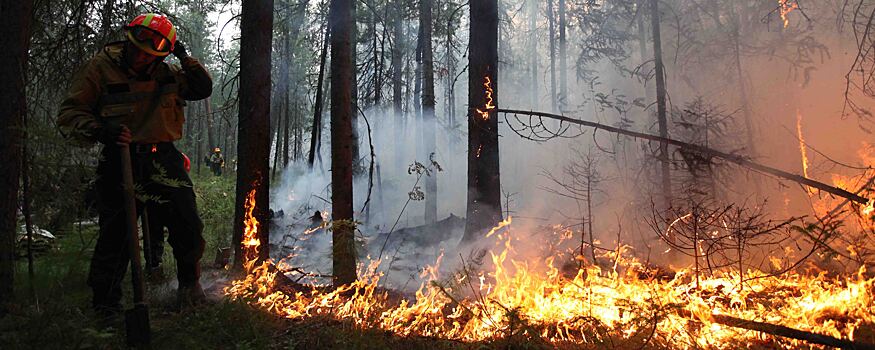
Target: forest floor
{"points": [[53, 312]]}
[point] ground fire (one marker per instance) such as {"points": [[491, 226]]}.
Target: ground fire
{"points": [[619, 301]]}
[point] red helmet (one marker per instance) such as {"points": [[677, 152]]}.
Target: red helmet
{"points": [[186, 163], [152, 33]]}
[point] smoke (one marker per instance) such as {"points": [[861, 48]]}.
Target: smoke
{"points": [[775, 88]]}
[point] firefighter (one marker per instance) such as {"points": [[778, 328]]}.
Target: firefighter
{"points": [[216, 161], [127, 94]]}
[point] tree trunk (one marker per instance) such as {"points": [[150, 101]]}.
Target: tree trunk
{"points": [[660, 102], [397, 83], [354, 100], [25, 204], [417, 98], [106, 20], [298, 131], [286, 85], [451, 76], [484, 181], [286, 134], [198, 141], [211, 138], [428, 105], [551, 20], [253, 126], [316, 129], [341, 22], [278, 144], [533, 51], [563, 59], [642, 48], [378, 58], [15, 38]]}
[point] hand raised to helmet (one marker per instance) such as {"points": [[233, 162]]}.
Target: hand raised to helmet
{"points": [[179, 50]]}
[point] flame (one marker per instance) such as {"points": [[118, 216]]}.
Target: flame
{"points": [[501, 225], [785, 7], [802, 149], [487, 84], [250, 240], [825, 205], [533, 298]]}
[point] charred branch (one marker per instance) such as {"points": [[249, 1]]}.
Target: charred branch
{"points": [[704, 151]]}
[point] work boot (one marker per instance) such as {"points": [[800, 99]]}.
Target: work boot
{"points": [[108, 315], [191, 295]]}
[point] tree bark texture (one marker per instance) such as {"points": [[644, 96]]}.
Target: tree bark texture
{"points": [[15, 39], [341, 22], [551, 20], [253, 129], [563, 58], [662, 119], [533, 50], [316, 128], [484, 184], [354, 116], [397, 82], [428, 106]]}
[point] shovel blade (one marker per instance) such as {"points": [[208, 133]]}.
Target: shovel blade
{"points": [[137, 326]]}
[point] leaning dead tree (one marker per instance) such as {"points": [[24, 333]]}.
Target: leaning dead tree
{"points": [[537, 130]]}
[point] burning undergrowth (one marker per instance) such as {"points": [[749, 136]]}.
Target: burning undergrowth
{"points": [[619, 301]]}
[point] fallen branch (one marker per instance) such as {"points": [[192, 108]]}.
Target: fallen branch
{"points": [[734, 158], [782, 331]]}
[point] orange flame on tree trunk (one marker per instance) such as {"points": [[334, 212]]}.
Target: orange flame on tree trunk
{"points": [[489, 101], [250, 242]]}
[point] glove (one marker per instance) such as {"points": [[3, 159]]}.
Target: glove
{"points": [[179, 50], [108, 134]]}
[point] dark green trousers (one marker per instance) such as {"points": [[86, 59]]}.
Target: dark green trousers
{"points": [[161, 180]]}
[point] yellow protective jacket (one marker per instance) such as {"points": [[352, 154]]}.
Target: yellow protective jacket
{"points": [[105, 90]]}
